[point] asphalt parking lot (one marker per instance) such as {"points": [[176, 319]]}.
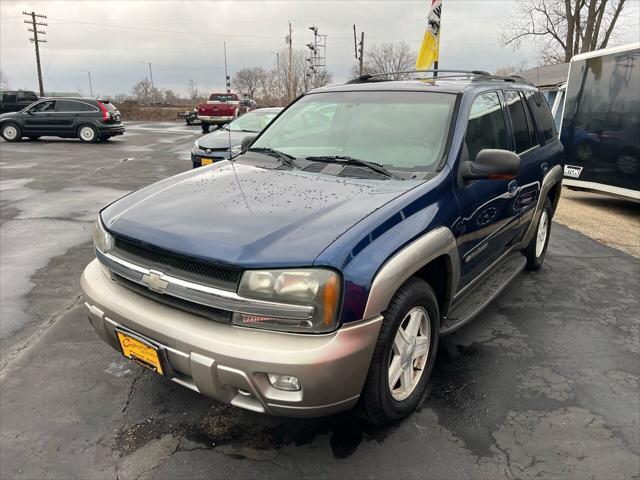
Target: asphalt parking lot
{"points": [[545, 383]]}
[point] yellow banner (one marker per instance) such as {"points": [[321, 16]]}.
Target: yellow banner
{"points": [[430, 48]]}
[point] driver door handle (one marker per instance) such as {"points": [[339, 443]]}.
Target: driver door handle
{"points": [[512, 187]]}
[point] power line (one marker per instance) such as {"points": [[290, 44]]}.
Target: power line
{"points": [[36, 41]]}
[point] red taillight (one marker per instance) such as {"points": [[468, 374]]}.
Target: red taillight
{"points": [[105, 114]]}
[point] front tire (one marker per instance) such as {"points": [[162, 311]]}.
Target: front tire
{"points": [[11, 132], [537, 248], [87, 134], [404, 355]]}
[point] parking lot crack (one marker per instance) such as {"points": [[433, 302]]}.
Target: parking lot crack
{"points": [[36, 335]]}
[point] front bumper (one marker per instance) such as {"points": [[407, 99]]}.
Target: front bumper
{"points": [[214, 156], [230, 363]]}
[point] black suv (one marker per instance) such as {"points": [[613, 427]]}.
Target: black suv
{"points": [[15, 100], [84, 118]]}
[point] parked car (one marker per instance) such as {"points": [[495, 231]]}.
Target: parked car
{"points": [[225, 142], [190, 116], [246, 105], [16, 100], [316, 271], [84, 118], [220, 109]]}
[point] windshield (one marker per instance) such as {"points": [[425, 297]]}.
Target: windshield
{"points": [[252, 121], [402, 131]]}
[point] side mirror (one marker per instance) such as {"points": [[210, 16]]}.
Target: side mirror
{"points": [[246, 143], [492, 164]]}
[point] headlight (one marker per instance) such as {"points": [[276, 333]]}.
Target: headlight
{"points": [[102, 240], [315, 287]]}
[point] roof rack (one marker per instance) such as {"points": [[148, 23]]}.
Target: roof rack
{"points": [[470, 74]]}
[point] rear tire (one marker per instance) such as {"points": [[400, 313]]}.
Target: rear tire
{"points": [[537, 248], [87, 134], [11, 132], [404, 355]]}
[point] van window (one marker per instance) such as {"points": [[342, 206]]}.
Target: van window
{"points": [[523, 132], [542, 116], [486, 127]]}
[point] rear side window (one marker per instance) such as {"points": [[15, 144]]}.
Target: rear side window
{"points": [[486, 127], [523, 131], [9, 97], [543, 117], [73, 106]]}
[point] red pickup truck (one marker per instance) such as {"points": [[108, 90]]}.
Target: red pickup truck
{"points": [[221, 108]]}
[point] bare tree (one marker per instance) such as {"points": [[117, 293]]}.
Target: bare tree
{"points": [[388, 57], [562, 28], [192, 89], [4, 81], [142, 90], [247, 80]]}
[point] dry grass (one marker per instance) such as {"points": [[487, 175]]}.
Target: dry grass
{"points": [[609, 220]]}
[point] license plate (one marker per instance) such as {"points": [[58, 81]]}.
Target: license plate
{"points": [[207, 161], [140, 351]]}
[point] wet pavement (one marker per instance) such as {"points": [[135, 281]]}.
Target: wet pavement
{"points": [[545, 383]]}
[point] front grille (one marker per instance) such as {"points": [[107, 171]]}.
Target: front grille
{"points": [[175, 302], [182, 267]]}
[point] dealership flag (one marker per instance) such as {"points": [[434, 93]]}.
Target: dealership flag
{"points": [[430, 47]]}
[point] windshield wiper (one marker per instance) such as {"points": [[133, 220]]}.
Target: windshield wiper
{"points": [[285, 158], [343, 159]]}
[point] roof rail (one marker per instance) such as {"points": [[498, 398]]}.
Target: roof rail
{"points": [[471, 74]]}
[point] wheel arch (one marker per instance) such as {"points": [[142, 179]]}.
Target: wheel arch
{"points": [[432, 257]]}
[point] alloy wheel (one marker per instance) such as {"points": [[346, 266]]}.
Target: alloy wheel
{"points": [[10, 132], [543, 229], [409, 354]]}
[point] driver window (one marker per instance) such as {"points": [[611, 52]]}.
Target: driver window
{"points": [[43, 107], [486, 127]]}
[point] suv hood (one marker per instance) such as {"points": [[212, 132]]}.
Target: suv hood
{"points": [[246, 215]]}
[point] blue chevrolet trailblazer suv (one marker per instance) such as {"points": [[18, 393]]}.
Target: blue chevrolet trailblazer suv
{"points": [[316, 271]]}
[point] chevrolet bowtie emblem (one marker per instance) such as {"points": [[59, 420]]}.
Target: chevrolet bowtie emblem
{"points": [[154, 281]]}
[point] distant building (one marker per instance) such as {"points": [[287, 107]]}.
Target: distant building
{"points": [[547, 78]]}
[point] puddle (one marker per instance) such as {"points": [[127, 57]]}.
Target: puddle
{"points": [[224, 425]]}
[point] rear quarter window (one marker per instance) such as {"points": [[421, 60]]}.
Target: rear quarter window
{"points": [[542, 116]]}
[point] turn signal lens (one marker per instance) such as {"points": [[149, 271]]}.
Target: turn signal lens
{"points": [[102, 240]]}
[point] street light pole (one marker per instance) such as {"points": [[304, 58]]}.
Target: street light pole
{"points": [[90, 85], [153, 90]]}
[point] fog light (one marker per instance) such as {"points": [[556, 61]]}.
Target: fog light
{"points": [[284, 382]]}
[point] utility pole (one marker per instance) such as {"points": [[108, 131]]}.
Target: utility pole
{"points": [[90, 85], [35, 24], [359, 49], [153, 89], [290, 73]]}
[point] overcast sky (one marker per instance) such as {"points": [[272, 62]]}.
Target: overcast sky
{"points": [[184, 40]]}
